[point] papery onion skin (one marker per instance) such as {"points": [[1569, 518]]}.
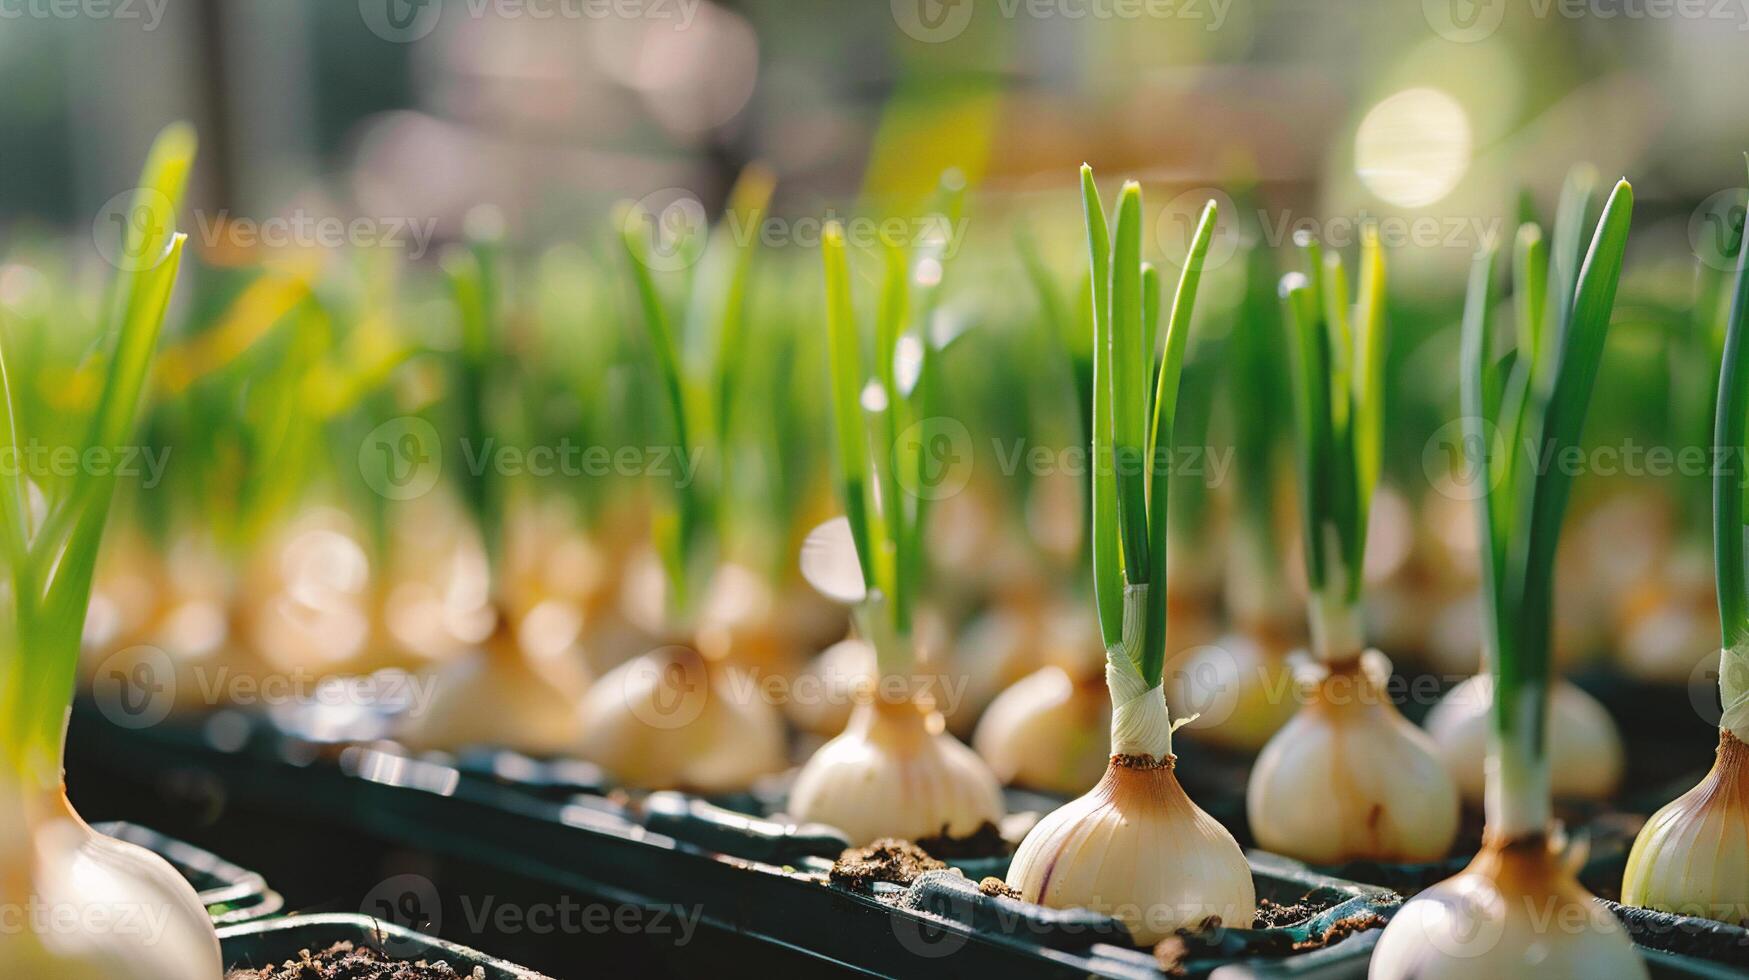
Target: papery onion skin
{"points": [[1135, 847], [896, 772], [1692, 857], [494, 696], [1515, 911], [832, 679], [1350, 779], [672, 719], [1585, 750], [1239, 688], [1047, 732], [154, 925]]}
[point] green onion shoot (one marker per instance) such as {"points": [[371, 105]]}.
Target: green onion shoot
{"points": [[1135, 846], [1493, 919]]}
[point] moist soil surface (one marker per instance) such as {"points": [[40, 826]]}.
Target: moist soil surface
{"points": [[888, 859], [1190, 944], [1271, 915], [984, 842], [345, 961]]}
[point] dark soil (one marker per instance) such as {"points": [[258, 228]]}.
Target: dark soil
{"points": [[984, 842], [344, 961], [1273, 916], [997, 888], [887, 859], [1205, 940]]}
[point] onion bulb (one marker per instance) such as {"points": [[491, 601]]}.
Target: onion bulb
{"points": [[1692, 857], [1669, 624], [1240, 689], [1515, 911], [675, 719], [896, 772], [1135, 847], [1048, 731], [1349, 778], [91, 907], [497, 695], [831, 680], [1585, 750]]}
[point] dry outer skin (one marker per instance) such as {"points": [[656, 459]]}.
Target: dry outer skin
{"points": [[344, 961]]}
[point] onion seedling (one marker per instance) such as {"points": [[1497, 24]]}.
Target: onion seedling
{"points": [[1050, 729], [1135, 846], [1242, 683], [495, 693], [1584, 747], [894, 771], [1517, 910], [1348, 777], [1692, 857], [49, 533], [684, 715]]}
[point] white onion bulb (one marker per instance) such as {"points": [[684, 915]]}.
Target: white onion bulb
{"points": [[1692, 857], [91, 907], [1585, 750], [1135, 847], [825, 690], [1239, 690], [496, 696], [673, 719], [1515, 912], [1349, 778], [1048, 732], [896, 772]]}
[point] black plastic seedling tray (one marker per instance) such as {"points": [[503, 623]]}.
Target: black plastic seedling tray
{"points": [[753, 879], [230, 893], [771, 880], [271, 941], [1683, 939]]}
